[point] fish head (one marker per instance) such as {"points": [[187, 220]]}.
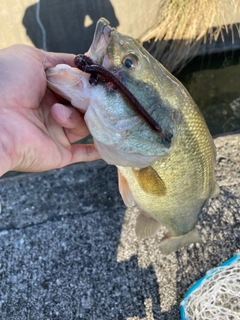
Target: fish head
{"points": [[121, 133], [118, 52]]}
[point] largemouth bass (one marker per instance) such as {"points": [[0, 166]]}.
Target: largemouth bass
{"points": [[169, 174]]}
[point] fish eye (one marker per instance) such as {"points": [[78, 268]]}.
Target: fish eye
{"points": [[130, 61]]}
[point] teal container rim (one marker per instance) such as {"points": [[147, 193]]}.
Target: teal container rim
{"points": [[197, 284]]}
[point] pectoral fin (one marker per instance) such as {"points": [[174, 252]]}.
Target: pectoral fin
{"points": [[125, 191], [150, 182], [146, 226]]}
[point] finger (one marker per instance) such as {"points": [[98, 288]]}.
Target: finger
{"points": [[84, 153], [72, 120], [51, 59]]}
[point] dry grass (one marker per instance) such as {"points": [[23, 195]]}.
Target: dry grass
{"points": [[182, 26]]}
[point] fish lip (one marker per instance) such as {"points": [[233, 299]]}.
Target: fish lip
{"points": [[102, 37]]}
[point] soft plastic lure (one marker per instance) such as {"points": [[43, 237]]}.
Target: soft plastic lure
{"points": [[87, 65]]}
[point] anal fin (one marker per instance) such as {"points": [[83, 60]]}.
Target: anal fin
{"points": [[150, 182], [172, 244], [146, 226]]}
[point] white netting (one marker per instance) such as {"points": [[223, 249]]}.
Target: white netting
{"points": [[217, 296]]}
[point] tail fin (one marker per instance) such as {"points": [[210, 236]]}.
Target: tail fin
{"points": [[172, 244]]}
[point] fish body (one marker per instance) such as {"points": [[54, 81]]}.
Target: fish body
{"points": [[169, 179]]}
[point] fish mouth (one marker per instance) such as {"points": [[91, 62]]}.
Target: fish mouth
{"points": [[102, 37]]}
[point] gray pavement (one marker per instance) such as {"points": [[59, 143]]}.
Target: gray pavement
{"points": [[69, 251]]}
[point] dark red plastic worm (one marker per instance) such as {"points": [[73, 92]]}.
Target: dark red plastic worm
{"points": [[86, 64]]}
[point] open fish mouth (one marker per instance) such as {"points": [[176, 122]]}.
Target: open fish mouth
{"points": [[102, 37]]}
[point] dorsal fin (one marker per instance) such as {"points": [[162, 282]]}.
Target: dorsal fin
{"points": [[150, 182]]}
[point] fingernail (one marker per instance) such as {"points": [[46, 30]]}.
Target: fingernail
{"points": [[68, 112], [64, 111]]}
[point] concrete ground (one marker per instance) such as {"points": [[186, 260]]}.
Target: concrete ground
{"points": [[69, 251]]}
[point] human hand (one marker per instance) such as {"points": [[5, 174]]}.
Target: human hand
{"points": [[36, 130]]}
